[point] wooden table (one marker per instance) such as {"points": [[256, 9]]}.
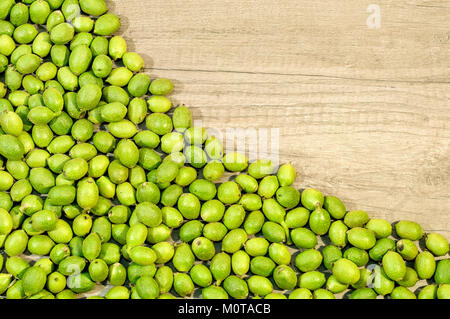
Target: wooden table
{"points": [[361, 103]]}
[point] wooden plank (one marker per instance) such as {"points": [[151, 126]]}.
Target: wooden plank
{"points": [[362, 113]]}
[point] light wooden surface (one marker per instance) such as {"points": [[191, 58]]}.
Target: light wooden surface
{"points": [[362, 113]]}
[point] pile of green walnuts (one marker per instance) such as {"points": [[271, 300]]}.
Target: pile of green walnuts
{"points": [[104, 184]]}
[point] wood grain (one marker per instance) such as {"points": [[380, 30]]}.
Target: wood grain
{"points": [[362, 113]]}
